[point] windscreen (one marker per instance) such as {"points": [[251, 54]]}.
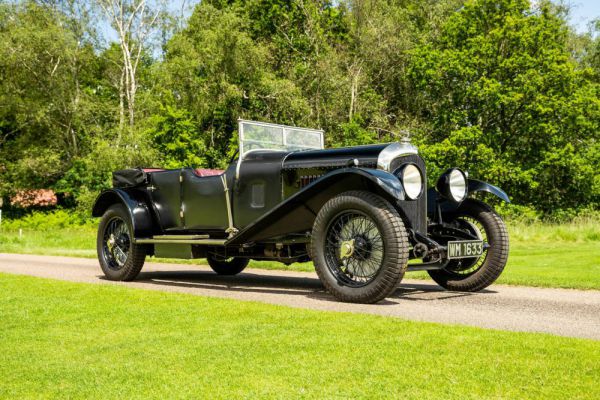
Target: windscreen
{"points": [[261, 135]]}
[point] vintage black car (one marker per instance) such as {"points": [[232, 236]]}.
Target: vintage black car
{"points": [[359, 213]]}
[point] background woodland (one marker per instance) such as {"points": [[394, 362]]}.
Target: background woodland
{"points": [[505, 89]]}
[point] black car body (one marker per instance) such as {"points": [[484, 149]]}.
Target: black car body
{"points": [[266, 203]]}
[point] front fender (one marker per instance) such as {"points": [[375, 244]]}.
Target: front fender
{"points": [[135, 204], [298, 212], [434, 198], [480, 186], [387, 182]]}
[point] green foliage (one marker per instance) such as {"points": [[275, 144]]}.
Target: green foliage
{"points": [[215, 73], [177, 139], [51, 221], [354, 134], [44, 68], [59, 115], [502, 88], [508, 103], [92, 173]]}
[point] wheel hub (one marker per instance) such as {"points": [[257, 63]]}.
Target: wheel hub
{"points": [[110, 243], [362, 248], [346, 249], [354, 248]]}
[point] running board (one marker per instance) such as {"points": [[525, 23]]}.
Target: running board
{"points": [[182, 239]]}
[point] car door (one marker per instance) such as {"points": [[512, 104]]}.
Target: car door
{"points": [[165, 191], [203, 201], [258, 187]]}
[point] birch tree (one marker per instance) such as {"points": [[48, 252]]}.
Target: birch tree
{"points": [[135, 21]]}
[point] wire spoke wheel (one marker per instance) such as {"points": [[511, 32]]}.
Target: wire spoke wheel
{"points": [[121, 259], [116, 243], [354, 250], [476, 273], [359, 247], [467, 266]]}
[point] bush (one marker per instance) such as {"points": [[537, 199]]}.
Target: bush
{"points": [[518, 214], [57, 219]]}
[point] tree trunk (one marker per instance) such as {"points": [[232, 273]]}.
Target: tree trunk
{"points": [[131, 103], [121, 105], [353, 92]]}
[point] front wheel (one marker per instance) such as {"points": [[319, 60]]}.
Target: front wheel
{"points": [[475, 274], [120, 258], [359, 247]]}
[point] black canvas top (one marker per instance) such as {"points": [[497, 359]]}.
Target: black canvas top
{"points": [[129, 178]]}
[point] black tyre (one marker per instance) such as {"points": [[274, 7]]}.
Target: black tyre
{"points": [[359, 247], [228, 266], [474, 274], [120, 259]]}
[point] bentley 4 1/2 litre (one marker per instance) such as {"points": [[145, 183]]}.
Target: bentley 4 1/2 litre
{"points": [[359, 213]]}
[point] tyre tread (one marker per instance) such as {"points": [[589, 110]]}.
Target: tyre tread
{"points": [[137, 253], [397, 256], [496, 257], [232, 267]]}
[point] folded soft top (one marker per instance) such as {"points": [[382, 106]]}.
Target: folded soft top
{"points": [[131, 177]]}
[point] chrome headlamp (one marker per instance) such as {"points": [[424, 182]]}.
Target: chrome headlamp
{"points": [[412, 180], [453, 185]]}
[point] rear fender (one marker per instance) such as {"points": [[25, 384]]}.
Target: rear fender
{"points": [[135, 204], [298, 212]]}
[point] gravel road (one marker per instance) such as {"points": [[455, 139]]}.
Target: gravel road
{"points": [[564, 312]]}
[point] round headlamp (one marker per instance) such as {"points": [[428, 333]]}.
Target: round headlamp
{"points": [[453, 185], [412, 180]]}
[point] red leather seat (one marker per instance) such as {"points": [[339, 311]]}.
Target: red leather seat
{"points": [[202, 172]]}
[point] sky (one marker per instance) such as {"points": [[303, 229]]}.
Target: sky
{"points": [[582, 12]]}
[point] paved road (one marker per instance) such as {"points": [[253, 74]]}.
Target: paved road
{"points": [[558, 311]]}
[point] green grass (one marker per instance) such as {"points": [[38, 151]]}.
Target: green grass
{"points": [[545, 255], [560, 264], [74, 241], [69, 340]]}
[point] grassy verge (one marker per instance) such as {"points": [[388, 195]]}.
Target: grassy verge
{"points": [[565, 255], [70, 340]]}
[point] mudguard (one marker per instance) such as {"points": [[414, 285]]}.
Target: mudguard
{"points": [[134, 202], [386, 181], [298, 212], [479, 186], [433, 197]]}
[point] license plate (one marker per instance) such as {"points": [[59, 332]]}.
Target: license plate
{"points": [[465, 249]]}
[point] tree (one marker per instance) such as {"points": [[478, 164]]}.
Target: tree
{"points": [[500, 87], [215, 72], [45, 65], [134, 21]]}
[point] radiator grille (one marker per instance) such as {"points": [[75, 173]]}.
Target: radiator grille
{"points": [[414, 210], [306, 180]]}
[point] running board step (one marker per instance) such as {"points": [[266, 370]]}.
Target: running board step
{"points": [[180, 237], [183, 239]]}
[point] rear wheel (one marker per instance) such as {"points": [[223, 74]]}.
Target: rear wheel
{"points": [[359, 247], [474, 274], [227, 266], [120, 258]]}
